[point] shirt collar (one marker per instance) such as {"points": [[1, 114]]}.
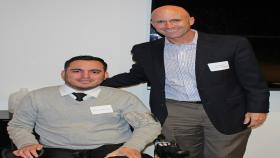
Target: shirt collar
{"points": [[194, 41], [66, 90]]}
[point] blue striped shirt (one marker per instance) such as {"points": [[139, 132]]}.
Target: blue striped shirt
{"points": [[179, 61]]}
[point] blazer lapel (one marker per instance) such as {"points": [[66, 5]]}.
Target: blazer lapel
{"points": [[202, 56], [157, 49]]}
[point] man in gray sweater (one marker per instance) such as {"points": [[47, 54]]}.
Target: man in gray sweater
{"points": [[81, 117]]}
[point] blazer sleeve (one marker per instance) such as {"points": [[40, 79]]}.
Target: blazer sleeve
{"points": [[136, 75], [249, 76]]}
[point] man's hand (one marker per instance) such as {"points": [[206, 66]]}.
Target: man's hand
{"points": [[125, 151], [255, 119], [29, 151]]}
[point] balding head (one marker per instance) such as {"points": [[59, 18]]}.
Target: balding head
{"points": [[168, 9], [174, 23]]}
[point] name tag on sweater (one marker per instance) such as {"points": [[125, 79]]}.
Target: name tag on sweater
{"points": [[102, 109]]}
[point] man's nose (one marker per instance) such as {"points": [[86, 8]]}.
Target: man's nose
{"points": [[86, 75], [168, 24]]}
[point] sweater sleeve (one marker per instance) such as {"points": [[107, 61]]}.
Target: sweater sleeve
{"points": [[146, 128], [20, 128]]}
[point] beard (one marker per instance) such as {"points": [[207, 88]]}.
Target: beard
{"points": [[81, 88]]}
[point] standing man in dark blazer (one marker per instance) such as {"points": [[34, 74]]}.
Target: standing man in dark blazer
{"points": [[206, 89]]}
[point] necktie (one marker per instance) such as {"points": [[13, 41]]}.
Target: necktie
{"points": [[79, 96]]}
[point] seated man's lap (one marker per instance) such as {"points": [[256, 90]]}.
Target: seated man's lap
{"points": [[100, 152]]}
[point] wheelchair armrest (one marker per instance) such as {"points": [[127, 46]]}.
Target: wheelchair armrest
{"points": [[8, 153]]}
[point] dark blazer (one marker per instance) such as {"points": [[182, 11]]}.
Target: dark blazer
{"points": [[226, 94]]}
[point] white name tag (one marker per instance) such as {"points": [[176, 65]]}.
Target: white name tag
{"points": [[102, 109], [218, 66]]}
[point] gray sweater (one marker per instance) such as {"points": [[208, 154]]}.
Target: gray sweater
{"points": [[63, 122]]}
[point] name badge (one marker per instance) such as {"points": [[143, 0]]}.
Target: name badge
{"points": [[218, 66], [102, 109]]}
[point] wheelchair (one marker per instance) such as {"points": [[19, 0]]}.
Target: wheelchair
{"points": [[166, 149]]}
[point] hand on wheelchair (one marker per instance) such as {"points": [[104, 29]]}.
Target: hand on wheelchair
{"points": [[8, 153], [123, 152], [165, 149], [35, 150]]}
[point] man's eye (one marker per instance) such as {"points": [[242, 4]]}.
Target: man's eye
{"points": [[95, 72], [75, 71], [161, 22], [175, 20]]}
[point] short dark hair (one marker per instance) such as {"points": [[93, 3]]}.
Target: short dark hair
{"points": [[85, 57]]}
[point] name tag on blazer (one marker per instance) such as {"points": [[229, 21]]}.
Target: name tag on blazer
{"points": [[102, 109], [218, 66]]}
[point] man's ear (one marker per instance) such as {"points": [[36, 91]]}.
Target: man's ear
{"points": [[62, 74], [152, 25], [192, 20], [106, 75]]}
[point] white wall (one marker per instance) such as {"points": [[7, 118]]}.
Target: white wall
{"points": [[37, 36], [264, 141]]}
